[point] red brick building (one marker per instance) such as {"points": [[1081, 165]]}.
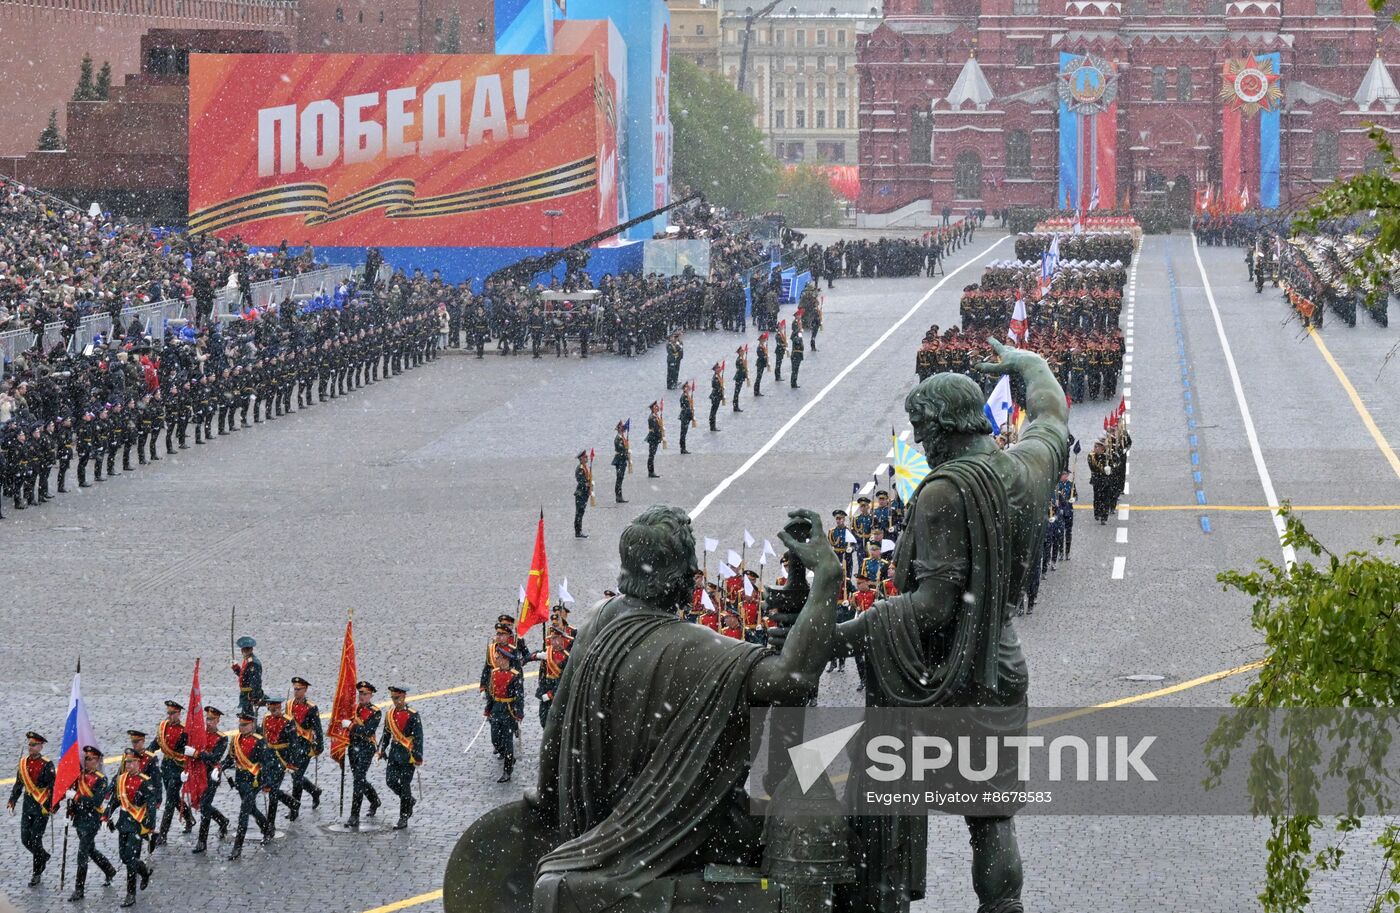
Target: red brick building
{"points": [[396, 26], [959, 102]]}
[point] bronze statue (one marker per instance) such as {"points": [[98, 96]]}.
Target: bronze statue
{"points": [[947, 640], [647, 748]]}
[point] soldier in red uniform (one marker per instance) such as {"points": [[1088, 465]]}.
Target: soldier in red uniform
{"points": [[552, 659], [277, 730], [363, 729], [150, 768], [131, 812], [35, 782], [215, 746], [861, 601], [401, 747], [502, 683], [85, 809], [246, 756], [171, 738]]}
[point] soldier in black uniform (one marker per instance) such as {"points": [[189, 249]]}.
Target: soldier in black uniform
{"points": [[675, 353], [86, 444], [780, 347], [401, 747], [277, 732], [741, 373], [760, 364], [307, 742], [687, 412], [583, 487], [34, 781], [656, 435], [797, 351], [156, 411], [716, 393], [211, 759], [85, 810], [249, 672], [363, 729], [535, 324], [622, 460], [247, 753], [502, 684], [131, 812], [552, 660]]}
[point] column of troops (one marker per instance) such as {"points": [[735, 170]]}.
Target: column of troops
{"points": [[267, 762], [503, 679], [1321, 273], [144, 397]]}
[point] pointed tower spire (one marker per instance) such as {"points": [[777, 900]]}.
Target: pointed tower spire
{"points": [[1377, 86]]}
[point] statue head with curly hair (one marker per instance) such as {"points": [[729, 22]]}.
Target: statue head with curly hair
{"points": [[657, 552], [947, 413]]}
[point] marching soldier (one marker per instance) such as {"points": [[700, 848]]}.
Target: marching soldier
{"points": [[622, 459], [741, 373], [172, 740], [797, 351], [760, 364], [307, 743], [211, 758], [249, 672], [131, 812], [401, 747], [503, 685], [687, 412], [246, 755], [277, 730], [552, 659], [85, 809], [656, 436], [362, 727], [583, 488], [35, 782], [716, 393]]}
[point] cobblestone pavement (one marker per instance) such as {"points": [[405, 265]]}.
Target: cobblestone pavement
{"points": [[413, 502]]}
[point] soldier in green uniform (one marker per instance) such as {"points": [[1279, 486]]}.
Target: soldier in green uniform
{"points": [[246, 755], [656, 436], [797, 351], [131, 812], [277, 732], [172, 740], [583, 488], [34, 781], [307, 742], [85, 811], [622, 460], [363, 728], [687, 412], [249, 673], [741, 373], [401, 747], [716, 393], [780, 347], [211, 759]]}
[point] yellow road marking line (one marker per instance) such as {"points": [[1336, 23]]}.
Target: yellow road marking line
{"points": [[1120, 702], [1356, 402], [429, 695], [1209, 508]]}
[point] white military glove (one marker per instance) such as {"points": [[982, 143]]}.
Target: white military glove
{"points": [[189, 751], [217, 773], [344, 724], [71, 794], [184, 778]]}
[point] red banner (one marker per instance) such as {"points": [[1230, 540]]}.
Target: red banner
{"points": [[343, 704], [396, 150], [196, 737]]}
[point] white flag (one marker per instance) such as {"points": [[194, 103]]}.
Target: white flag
{"points": [[711, 544], [851, 538], [564, 595], [748, 586], [94, 210], [733, 558], [725, 571], [706, 601], [768, 548], [886, 545], [748, 539]]}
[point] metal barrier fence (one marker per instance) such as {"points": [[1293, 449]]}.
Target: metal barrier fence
{"points": [[155, 316]]}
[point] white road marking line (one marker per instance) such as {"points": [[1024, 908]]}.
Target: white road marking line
{"points": [[1127, 391], [1122, 535], [1120, 564], [1123, 514], [1127, 403], [811, 404], [1126, 483], [1265, 480]]}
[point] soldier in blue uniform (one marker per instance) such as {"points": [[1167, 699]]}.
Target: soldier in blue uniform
{"points": [[249, 672], [215, 745], [862, 524], [401, 747], [85, 810], [363, 728], [839, 537], [35, 782], [131, 811], [246, 755]]}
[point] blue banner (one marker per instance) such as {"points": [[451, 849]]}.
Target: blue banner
{"points": [[1069, 147], [788, 277], [1268, 146]]}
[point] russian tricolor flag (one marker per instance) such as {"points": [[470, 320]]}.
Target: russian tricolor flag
{"points": [[77, 732], [999, 405]]}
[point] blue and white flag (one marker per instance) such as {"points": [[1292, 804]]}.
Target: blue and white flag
{"points": [[998, 406]]}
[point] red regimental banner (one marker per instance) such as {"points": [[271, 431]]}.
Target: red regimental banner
{"points": [[394, 150]]}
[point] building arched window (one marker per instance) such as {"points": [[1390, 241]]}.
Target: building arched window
{"points": [[1183, 83], [1324, 159], [1018, 154], [920, 137], [1159, 83], [967, 176]]}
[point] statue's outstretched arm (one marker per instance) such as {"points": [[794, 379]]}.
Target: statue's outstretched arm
{"points": [[1045, 398]]}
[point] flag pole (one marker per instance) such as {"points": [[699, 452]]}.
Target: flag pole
{"points": [[232, 620], [63, 866]]}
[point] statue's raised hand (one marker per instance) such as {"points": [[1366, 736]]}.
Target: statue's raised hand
{"points": [[805, 538], [1011, 360]]}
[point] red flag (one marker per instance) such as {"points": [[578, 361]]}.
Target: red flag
{"points": [[343, 707], [1122, 405], [196, 737], [1105, 423], [535, 609]]}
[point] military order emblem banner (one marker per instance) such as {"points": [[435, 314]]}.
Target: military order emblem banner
{"points": [[1251, 95], [397, 150], [1088, 90]]}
